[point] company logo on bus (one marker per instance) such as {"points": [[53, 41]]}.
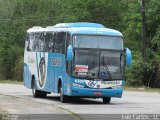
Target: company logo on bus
{"points": [[56, 61]]}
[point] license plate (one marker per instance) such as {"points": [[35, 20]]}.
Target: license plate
{"points": [[97, 93]]}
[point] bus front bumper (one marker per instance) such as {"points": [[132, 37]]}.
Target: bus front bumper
{"points": [[90, 92]]}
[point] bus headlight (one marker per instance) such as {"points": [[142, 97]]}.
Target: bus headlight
{"points": [[77, 85], [118, 87]]}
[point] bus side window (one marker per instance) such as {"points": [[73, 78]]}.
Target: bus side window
{"points": [[67, 43], [40, 40], [59, 42], [49, 41], [27, 43], [35, 42], [32, 42], [55, 42]]}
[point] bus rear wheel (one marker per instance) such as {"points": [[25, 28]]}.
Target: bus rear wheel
{"points": [[37, 93], [63, 98], [106, 100]]}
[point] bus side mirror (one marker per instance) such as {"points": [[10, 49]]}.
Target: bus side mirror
{"points": [[69, 53], [128, 57]]}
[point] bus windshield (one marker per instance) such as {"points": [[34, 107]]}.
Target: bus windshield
{"points": [[98, 64], [97, 41], [106, 62]]}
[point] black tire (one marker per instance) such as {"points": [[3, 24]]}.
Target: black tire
{"points": [[63, 98], [42, 94], [106, 100], [37, 93]]}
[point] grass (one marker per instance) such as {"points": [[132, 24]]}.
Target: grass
{"points": [[6, 116], [11, 82], [3, 114], [141, 89]]}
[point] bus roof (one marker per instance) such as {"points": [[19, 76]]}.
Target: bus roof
{"points": [[78, 24], [79, 28]]}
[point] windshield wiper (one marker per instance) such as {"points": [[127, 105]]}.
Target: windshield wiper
{"points": [[107, 69], [92, 65], [93, 62]]}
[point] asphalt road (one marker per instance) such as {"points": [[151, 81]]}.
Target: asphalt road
{"points": [[16, 99]]}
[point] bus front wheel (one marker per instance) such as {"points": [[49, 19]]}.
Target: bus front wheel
{"points": [[106, 100], [37, 93], [63, 98]]}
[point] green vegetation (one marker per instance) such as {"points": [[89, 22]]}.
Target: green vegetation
{"points": [[141, 89], [124, 15], [11, 81], [128, 87], [3, 114]]}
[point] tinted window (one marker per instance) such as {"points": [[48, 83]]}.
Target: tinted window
{"points": [[36, 42], [47, 42], [104, 42], [91, 63], [68, 41], [61, 42], [55, 42]]}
